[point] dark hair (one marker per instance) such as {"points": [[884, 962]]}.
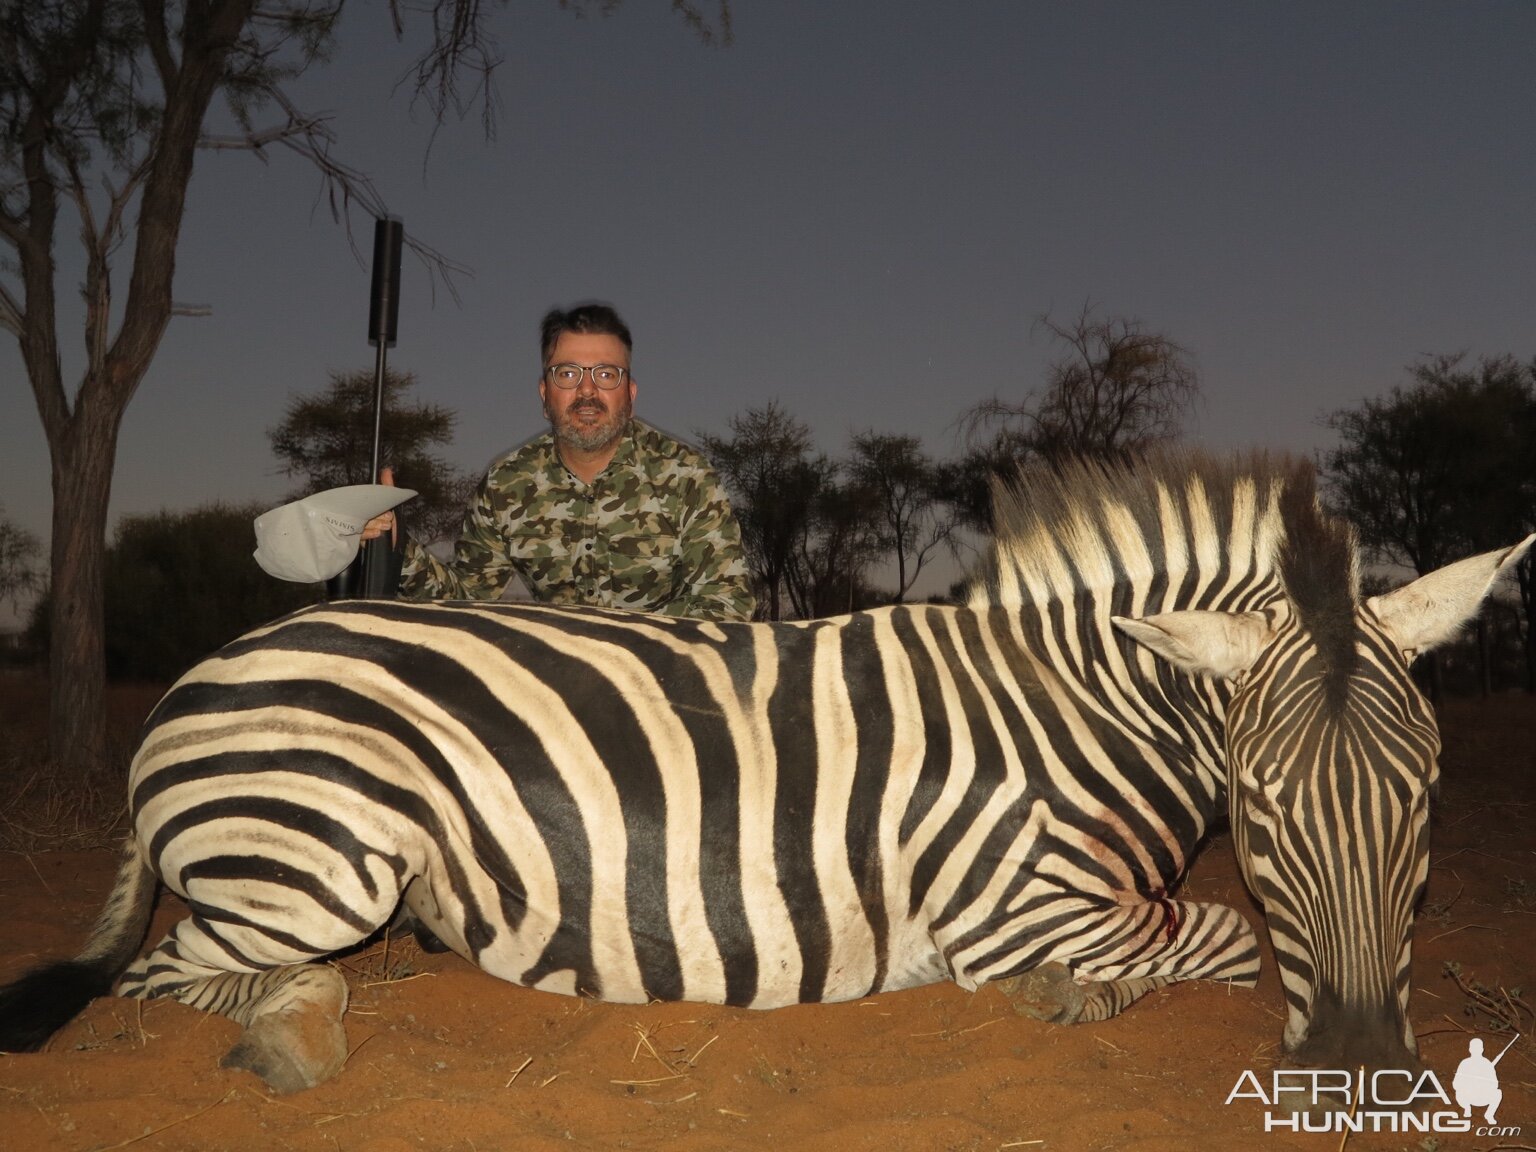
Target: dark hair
{"points": [[591, 319]]}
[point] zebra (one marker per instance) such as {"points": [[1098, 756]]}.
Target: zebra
{"points": [[635, 808]]}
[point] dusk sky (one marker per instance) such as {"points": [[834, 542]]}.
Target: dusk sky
{"points": [[860, 210]]}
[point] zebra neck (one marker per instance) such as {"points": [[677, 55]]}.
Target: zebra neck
{"points": [[1119, 684]]}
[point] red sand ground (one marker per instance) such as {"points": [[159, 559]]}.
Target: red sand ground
{"points": [[447, 1058]]}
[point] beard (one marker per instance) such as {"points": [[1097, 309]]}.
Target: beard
{"points": [[591, 436]]}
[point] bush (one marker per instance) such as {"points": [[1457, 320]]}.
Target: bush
{"points": [[180, 585]]}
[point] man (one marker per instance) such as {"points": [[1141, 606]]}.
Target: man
{"points": [[603, 509]]}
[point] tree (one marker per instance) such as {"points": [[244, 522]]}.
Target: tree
{"points": [[182, 584], [1117, 389], [773, 482], [900, 482], [103, 105], [1443, 467], [113, 84], [965, 484], [327, 439], [18, 567], [835, 543], [808, 534], [179, 586]]}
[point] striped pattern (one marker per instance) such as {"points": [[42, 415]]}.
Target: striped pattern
{"points": [[637, 808], [1330, 820], [633, 807]]}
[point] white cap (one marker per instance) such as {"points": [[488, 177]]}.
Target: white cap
{"points": [[315, 538]]}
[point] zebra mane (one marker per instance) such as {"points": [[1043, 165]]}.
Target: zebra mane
{"points": [[1174, 529]]}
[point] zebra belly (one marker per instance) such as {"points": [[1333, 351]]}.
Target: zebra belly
{"points": [[626, 959]]}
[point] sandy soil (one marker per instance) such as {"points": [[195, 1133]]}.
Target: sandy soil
{"points": [[446, 1058]]}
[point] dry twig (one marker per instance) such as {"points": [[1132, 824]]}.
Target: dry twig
{"points": [[172, 1124]]}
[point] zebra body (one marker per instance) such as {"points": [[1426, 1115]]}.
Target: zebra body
{"points": [[635, 808], [757, 815]]}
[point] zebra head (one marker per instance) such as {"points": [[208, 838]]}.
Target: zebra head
{"points": [[1331, 759]]}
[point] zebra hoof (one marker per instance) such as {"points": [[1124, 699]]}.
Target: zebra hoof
{"points": [[1045, 993], [291, 1050]]}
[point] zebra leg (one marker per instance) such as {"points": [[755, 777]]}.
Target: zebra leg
{"points": [[1050, 993], [1122, 953], [293, 1037], [407, 922]]}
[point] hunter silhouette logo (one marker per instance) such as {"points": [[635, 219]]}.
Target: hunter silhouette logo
{"points": [[1476, 1083]]}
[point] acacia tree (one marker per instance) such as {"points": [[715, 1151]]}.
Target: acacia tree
{"points": [[103, 106], [965, 483], [808, 528], [1116, 389], [18, 561], [1442, 467], [837, 541], [900, 482], [773, 480], [327, 439]]}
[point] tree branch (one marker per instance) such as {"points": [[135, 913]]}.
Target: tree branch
{"points": [[460, 45], [98, 271], [11, 318], [34, 247], [311, 137], [207, 41], [12, 229], [159, 42]]}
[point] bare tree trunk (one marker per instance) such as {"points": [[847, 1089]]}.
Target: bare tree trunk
{"points": [[82, 486], [82, 440]]}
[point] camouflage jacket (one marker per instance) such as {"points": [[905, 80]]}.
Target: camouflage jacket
{"points": [[652, 532]]}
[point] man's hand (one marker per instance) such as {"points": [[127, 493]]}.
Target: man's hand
{"points": [[385, 523]]}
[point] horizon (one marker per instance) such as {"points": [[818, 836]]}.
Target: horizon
{"points": [[861, 214]]}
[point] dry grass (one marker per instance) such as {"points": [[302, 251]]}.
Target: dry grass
{"points": [[42, 812], [43, 809], [1495, 1009], [381, 960]]}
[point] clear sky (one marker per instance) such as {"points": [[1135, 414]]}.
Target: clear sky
{"points": [[860, 209]]}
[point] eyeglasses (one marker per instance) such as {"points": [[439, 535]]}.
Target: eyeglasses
{"points": [[568, 376]]}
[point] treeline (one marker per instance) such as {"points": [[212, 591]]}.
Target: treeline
{"points": [[1442, 466], [826, 535]]}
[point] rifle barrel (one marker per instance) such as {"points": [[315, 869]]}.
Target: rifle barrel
{"points": [[1505, 1049]]}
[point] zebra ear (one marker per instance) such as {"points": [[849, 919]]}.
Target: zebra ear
{"points": [[1425, 614], [1220, 644]]}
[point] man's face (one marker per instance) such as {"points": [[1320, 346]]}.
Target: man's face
{"points": [[586, 417]]}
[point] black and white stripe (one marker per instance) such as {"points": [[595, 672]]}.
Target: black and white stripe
{"points": [[634, 807]]}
